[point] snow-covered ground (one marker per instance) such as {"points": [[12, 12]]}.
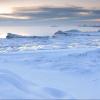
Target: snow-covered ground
{"points": [[54, 68]]}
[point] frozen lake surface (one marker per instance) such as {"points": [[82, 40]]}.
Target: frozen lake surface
{"points": [[55, 68]]}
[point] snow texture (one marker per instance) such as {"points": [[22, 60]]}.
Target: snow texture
{"points": [[64, 67]]}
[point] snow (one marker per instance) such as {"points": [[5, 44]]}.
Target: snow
{"points": [[55, 68]]}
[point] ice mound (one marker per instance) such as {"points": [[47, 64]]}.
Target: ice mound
{"points": [[59, 34], [73, 30], [11, 35]]}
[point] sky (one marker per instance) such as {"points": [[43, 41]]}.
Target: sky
{"points": [[42, 16]]}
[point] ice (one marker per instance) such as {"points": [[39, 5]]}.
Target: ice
{"points": [[73, 31], [64, 67]]}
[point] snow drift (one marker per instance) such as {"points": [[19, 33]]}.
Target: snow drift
{"points": [[65, 66]]}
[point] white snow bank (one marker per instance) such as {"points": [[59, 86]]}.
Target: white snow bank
{"points": [[54, 68], [71, 74]]}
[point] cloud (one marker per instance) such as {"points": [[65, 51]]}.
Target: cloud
{"points": [[50, 14]]}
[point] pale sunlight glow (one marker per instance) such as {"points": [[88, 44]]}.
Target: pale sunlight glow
{"points": [[5, 10], [15, 17]]}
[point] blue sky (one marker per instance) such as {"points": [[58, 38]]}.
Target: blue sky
{"points": [[30, 13]]}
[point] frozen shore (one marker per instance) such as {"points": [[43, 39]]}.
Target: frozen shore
{"points": [[53, 69]]}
